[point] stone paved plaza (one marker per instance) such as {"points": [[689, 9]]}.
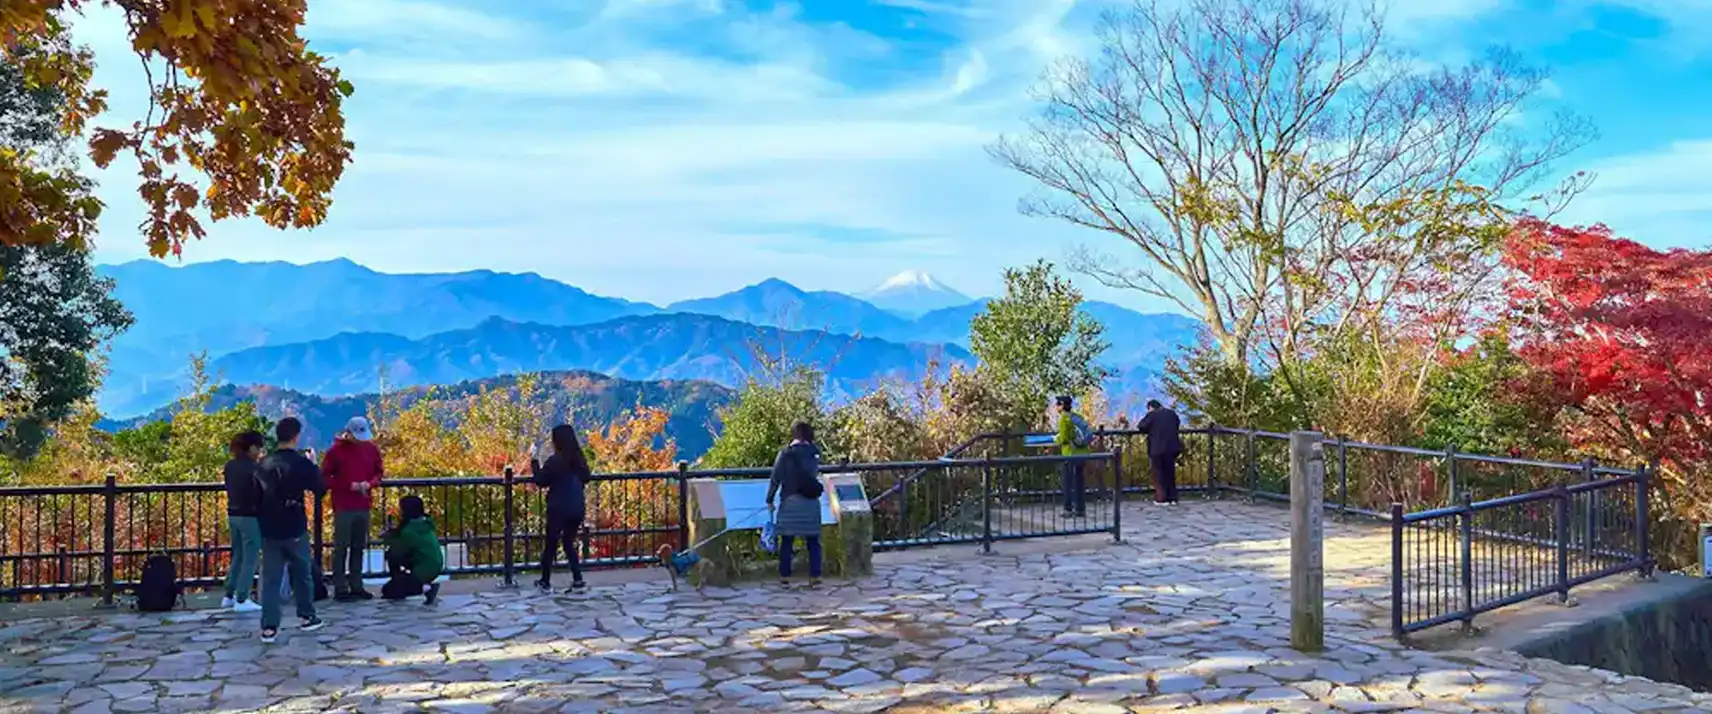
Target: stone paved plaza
{"points": [[1188, 614]]}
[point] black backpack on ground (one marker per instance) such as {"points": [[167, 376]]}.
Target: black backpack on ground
{"points": [[158, 590]]}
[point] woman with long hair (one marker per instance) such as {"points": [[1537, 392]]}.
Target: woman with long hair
{"points": [[563, 475], [243, 504]]}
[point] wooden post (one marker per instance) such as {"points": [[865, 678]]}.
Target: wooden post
{"points": [[1307, 536]]}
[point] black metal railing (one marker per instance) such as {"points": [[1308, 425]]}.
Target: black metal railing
{"points": [[94, 539], [1516, 529], [1451, 564]]}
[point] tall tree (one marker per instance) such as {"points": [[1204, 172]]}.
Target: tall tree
{"points": [[54, 310], [1277, 169], [236, 96], [1625, 332], [1036, 342]]}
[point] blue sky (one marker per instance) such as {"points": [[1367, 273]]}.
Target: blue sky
{"points": [[663, 149]]}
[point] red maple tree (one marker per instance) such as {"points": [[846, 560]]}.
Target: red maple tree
{"points": [[1625, 334]]}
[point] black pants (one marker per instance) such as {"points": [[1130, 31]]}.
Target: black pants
{"points": [[402, 583], [1164, 477], [562, 528], [1075, 488]]}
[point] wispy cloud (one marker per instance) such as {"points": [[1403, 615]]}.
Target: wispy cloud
{"points": [[658, 149]]}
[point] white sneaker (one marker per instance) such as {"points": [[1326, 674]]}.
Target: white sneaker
{"points": [[246, 606], [226, 603]]}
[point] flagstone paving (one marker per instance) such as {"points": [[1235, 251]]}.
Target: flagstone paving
{"points": [[1189, 614]]}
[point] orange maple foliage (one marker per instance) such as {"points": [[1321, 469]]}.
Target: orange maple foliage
{"points": [[241, 101], [635, 442]]}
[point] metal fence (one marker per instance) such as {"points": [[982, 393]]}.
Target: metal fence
{"points": [[1516, 529], [93, 539], [1451, 564]]}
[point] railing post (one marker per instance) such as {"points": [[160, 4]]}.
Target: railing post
{"points": [[1466, 538], [683, 506], [1397, 571], [319, 539], [1450, 473], [1343, 475], [1117, 495], [1589, 522], [1643, 508], [62, 563], [510, 572], [1212, 458], [987, 507], [110, 493], [1253, 466], [1561, 528], [207, 559]]}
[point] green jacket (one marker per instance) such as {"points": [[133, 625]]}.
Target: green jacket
{"points": [[1066, 439], [416, 543]]}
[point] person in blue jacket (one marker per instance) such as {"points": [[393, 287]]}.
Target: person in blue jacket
{"points": [[564, 475]]}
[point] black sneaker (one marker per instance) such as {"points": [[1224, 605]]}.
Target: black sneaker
{"points": [[433, 594], [311, 624], [361, 595], [344, 597], [578, 588], [544, 587], [269, 635]]}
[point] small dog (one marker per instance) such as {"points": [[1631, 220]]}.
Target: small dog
{"points": [[676, 566]]}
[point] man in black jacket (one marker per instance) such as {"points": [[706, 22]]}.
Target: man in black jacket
{"points": [[1164, 445], [287, 478]]}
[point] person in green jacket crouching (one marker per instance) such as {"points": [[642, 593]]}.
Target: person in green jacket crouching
{"points": [[413, 555]]}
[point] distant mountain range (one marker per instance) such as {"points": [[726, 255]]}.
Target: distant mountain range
{"points": [[329, 328], [590, 400]]}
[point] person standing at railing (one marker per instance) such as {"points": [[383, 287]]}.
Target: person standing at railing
{"points": [[565, 476], [1164, 444], [796, 488], [1075, 437], [287, 477], [243, 501], [353, 468]]}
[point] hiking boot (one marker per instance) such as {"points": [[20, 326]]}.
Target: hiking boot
{"points": [[312, 623], [433, 594]]}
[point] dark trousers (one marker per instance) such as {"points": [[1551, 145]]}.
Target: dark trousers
{"points": [[402, 583], [1075, 488], [1164, 477], [350, 544], [787, 553], [562, 528]]}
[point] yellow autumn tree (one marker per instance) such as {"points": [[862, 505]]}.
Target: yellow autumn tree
{"points": [[236, 97]]}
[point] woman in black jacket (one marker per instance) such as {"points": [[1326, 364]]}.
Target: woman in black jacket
{"points": [[563, 475]]}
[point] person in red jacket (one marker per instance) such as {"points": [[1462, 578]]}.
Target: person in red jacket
{"points": [[352, 468]]}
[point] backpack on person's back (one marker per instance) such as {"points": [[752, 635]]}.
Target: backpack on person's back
{"points": [[1084, 436]]}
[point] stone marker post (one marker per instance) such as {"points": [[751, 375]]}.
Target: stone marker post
{"points": [[1307, 541]]}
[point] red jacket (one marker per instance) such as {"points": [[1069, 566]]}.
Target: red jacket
{"points": [[347, 462]]}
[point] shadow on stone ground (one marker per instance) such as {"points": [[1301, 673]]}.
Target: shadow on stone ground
{"points": [[1190, 613]]}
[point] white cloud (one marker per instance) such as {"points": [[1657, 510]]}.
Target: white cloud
{"points": [[1661, 197]]}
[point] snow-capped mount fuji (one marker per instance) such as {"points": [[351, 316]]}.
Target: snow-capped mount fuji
{"points": [[913, 293]]}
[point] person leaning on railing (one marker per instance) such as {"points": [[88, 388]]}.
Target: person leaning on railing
{"points": [[1164, 445]]}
